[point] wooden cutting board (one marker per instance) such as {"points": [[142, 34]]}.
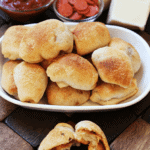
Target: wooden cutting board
{"points": [[135, 137]]}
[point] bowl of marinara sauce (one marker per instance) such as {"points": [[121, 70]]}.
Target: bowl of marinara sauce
{"points": [[24, 10], [78, 10]]}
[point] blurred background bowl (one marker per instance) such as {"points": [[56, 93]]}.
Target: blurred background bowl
{"points": [[24, 15], [88, 19]]}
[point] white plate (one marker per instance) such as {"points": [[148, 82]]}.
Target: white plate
{"points": [[143, 77]]}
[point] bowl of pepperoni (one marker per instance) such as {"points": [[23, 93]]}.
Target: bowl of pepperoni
{"points": [[24, 10], [78, 10]]}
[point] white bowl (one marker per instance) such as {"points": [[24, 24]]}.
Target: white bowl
{"points": [[143, 77], [88, 19]]}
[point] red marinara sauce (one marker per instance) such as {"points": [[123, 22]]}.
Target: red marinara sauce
{"points": [[23, 4]]}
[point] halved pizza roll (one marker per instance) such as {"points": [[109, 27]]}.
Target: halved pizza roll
{"points": [[89, 133], [62, 137]]}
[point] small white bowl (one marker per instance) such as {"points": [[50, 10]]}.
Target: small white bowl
{"points": [[142, 76], [89, 19]]}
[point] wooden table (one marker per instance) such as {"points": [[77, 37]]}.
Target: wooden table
{"points": [[24, 129]]}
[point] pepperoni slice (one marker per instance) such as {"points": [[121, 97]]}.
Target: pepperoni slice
{"points": [[72, 2], [60, 2], [64, 1], [83, 12], [80, 5], [77, 9], [76, 16], [65, 10], [93, 10]]}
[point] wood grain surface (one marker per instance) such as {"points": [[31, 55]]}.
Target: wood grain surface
{"points": [[135, 137]]}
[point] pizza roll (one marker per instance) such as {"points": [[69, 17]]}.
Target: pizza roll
{"points": [[114, 66], [7, 80], [62, 137], [89, 133], [11, 41], [45, 40], [129, 50], [109, 94], [73, 70], [66, 96], [31, 81], [89, 36]]}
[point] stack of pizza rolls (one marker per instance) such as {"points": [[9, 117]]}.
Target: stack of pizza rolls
{"points": [[69, 65], [64, 136], [116, 65], [31, 45]]}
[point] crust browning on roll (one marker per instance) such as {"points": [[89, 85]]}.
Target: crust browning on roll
{"points": [[109, 94], [66, 96], [7, 80], [11, 41], [73, 70], [89, 36], [130, 51], [45, 40], [60, 138], [31, 81], [114, 66], [87, 132]]}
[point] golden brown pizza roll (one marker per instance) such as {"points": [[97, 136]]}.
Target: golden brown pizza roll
{"points": [[60, 138], [73, 70], [114, 66], [130, 51], [11, 41], [89, 133], [31, 81], [7, 80], [109, 94], [89, 36], [45, 40], [66, 96]]}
